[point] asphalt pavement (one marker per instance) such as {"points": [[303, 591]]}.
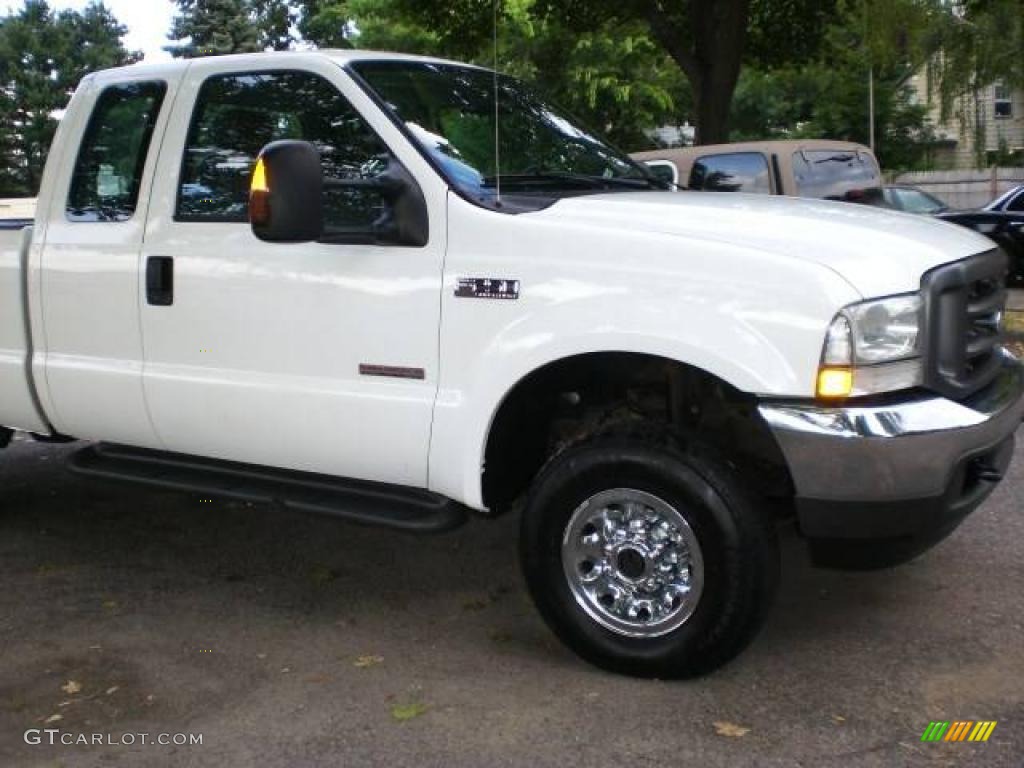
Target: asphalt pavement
{"points": [[290, 640]]}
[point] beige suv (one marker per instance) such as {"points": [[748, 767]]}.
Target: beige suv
{"points": [[834, 170]]}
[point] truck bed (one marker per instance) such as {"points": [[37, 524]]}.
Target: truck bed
{"points": [[20, 210]]}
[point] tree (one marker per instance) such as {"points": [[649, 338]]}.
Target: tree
{"points": [[711, 40], [887, 40], [214, 28], [327, 23], [274, 20], [827, 97], [43, 56], [803, 66], [219, 27], [976, 43]]}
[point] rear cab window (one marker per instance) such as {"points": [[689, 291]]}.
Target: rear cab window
{"points": [[732, 172], [833, 174], [108, 171]]}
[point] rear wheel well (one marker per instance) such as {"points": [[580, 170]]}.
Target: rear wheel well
{"points": [[573, 398]]}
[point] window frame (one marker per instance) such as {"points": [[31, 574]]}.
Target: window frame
{"points": [[665, 164], [194, 116], [144, 150], [1006, 99]]}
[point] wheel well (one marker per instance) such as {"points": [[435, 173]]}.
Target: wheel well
{"points": [[569, 399]]}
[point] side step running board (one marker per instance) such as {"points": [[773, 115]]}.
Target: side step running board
{"points": [[392, 506]]}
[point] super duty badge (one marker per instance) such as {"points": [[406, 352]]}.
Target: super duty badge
{"points": [[487, 288]]}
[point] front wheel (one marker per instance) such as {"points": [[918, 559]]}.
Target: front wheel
{"points": [[647, 559]]}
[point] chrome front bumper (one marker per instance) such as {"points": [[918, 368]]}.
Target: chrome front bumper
{"points": [[894, 451], [898, 469]]}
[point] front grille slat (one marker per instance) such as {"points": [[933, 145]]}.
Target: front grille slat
{"points": [[981, 344], [963, 305], [990, 304]]}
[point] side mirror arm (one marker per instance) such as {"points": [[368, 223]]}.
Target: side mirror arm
{"points": [[405, 223]]}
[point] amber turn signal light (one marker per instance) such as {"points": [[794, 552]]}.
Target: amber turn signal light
{"points": [[835, 382], [259, 195]]}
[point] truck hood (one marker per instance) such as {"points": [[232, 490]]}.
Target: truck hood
{"points": [[879, 252]]}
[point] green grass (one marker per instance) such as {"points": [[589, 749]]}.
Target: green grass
{"points": [[403, 712]]}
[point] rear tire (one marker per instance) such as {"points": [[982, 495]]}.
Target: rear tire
{"points": [[648, 559]]}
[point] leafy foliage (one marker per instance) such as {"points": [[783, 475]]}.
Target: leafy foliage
{"points": [[43, 55], [709, 40], [616, 79], [828, 96], [274, 20], [216, 27]]}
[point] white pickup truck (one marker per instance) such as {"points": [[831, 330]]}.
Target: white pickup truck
{"points": [[306, 277]]}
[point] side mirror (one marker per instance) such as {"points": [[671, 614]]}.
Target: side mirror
{"points": [[286, 193], [287, 201]]}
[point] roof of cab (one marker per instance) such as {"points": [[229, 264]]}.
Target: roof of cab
{"points": [[269, 58], [779, 145]]}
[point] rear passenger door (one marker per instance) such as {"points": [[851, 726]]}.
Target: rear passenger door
{"points": [[92, 234], [313, 356]]}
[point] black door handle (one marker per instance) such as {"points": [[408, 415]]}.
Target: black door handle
{"points": [[160, 281]]}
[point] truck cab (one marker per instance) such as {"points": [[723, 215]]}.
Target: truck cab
{"points": [[407, 291]]}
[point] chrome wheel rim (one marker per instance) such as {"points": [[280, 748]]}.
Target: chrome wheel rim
{"points": [[633, 563]]}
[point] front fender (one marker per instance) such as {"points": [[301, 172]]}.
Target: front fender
{"points": [[755, 320]]}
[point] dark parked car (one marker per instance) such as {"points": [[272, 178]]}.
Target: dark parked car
{"points": [[1005, 227], [1008, 202]]}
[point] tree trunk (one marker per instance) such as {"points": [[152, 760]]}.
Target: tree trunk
{"points": [[710, 53], [713, 100]]}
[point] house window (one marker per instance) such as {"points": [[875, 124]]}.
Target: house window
{"points": [[1003, 102]]}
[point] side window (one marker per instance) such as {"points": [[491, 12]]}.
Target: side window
{"points": [[237, 115], [734, 172], [108, 172], [1017, 203]]}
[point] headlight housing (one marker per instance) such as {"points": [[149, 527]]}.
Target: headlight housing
{"points": [[873, 347]]}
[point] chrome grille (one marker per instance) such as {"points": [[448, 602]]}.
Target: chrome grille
{"points": [[963, 311]]}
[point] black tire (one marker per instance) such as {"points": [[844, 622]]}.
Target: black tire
{"points": [[737, 539]]}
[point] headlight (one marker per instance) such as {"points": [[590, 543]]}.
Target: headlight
{"points": [[872, 347]]}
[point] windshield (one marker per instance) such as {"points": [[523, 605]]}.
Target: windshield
{"points": [[916, 201], [450, 112]]}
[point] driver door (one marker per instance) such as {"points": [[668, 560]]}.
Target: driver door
{"points": [[317, 357]]}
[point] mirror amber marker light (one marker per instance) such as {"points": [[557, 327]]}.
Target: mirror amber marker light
{"points": [[835, 382], [259, 195]]}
